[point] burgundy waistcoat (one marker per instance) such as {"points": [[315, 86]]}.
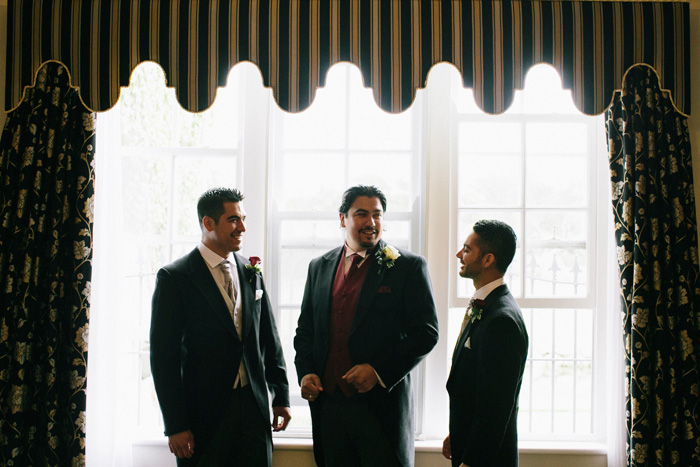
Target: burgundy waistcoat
{"points": [[344, 295]]}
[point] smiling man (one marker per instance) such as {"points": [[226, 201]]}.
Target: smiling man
{"points": [[215, 351], [367, 319], [489, 358]]}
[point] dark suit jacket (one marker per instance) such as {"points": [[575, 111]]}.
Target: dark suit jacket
{"points": [[394, 327], [196, 352], [484, 385]]}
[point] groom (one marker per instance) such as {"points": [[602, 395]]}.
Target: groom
{"points": [[489, 358], [367, 319]]}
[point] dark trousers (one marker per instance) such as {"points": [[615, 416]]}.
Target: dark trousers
{"points": [[242, 439], [352, 434]]}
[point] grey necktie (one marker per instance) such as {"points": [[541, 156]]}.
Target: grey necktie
{"points": [[465, 321], [228, 281]]}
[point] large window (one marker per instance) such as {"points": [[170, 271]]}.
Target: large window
{"points": [[537, 167], [344, 139]]}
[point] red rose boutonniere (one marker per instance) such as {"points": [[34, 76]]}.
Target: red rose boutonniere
{"points": [[254, 267], [477, 309]]}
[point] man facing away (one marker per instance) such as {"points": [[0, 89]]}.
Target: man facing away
{"points": [[367, 319], [489, 358], [215, 351]]}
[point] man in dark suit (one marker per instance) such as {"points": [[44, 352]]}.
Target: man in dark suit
{"points": [[215, 351], [367, 319], [489, 358]]}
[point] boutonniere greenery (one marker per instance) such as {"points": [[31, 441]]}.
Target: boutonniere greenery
{"points": [[254, 267], [477, 309], [386, 256]]}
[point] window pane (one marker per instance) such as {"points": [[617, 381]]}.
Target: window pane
{"points": [[311, 182], [490, 180], [489, 138], [556, 257], [146, 178], [556, 181]]}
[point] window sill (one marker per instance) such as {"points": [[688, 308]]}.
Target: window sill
{"points": [[525, 447], [433, 445]]}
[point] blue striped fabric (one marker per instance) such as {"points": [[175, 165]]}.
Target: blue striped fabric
{"points": [[393, 42]]}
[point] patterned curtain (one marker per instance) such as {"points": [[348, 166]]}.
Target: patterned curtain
{"points": [[46, 212], [657, 250]]}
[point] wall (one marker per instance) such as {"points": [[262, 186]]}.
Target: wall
{"points": [[152, 454]]}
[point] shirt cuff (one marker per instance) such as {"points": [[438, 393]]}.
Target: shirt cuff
{"points": [[379, 378]]}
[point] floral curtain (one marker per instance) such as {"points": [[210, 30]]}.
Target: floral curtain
{"points": [[46, 215], [657, 250]]}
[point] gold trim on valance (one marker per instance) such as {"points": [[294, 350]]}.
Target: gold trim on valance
{"points": [[393, 42]]}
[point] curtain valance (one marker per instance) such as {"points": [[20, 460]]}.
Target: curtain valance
{"points": [[393, 42]]}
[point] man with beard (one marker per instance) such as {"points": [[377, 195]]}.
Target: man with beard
{"points": [[367, 319], [489, 358]]}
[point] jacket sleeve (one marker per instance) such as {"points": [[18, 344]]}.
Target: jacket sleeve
{"points": [[304, 337], [167, 320], [271, 348]]}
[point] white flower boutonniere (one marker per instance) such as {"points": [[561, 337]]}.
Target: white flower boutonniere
{"points": [[386, 256], [476, 310]]}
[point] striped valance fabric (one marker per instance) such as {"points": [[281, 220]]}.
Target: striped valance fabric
{"points": [[394, 43]]}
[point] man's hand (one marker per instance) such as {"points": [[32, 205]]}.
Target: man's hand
{"points": [[310, 387], [362, 377], [280, 418], [182, 444], [446, 448]]}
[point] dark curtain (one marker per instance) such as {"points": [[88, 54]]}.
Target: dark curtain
{"points": [[46, 211], [657, 251]]}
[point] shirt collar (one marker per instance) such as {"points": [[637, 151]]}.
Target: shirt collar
{"points": [[484, 291], [349, 251], [213, 259]]}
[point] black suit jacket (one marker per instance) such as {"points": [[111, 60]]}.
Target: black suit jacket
{"points": [[394, 327], [196, 351], [484, 385]]}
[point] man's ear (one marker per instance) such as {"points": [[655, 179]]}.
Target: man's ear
{"points": [[208, 223], [342, 219], [488, 260]]}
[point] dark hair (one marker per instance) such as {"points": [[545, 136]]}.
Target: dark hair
{"points": [[498, 238], [352, 193], [211, 203]]}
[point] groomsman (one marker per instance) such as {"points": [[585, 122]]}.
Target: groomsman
{"points": [[367, 319], [489, 358], [215, 351]]}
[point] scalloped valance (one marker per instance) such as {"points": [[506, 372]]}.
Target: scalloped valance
{"points": [[393, 42]]}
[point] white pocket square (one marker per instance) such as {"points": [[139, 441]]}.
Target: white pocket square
{"points": [[258, 294], [468, 344]]}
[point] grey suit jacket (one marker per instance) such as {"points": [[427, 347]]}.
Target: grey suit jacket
{"points": [[394, 327]]}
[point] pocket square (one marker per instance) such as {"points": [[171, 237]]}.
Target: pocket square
{"points": [[468, 344], [258, 294], [384, 289]]}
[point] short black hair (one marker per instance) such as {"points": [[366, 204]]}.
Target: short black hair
{"points": [[211, 203], [352, 193], [497, 238]]}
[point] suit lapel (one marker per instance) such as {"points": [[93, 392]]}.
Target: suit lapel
{"points": [[202, 279], [373, 280], [247, 294], [474, 325], [324, 289]]}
